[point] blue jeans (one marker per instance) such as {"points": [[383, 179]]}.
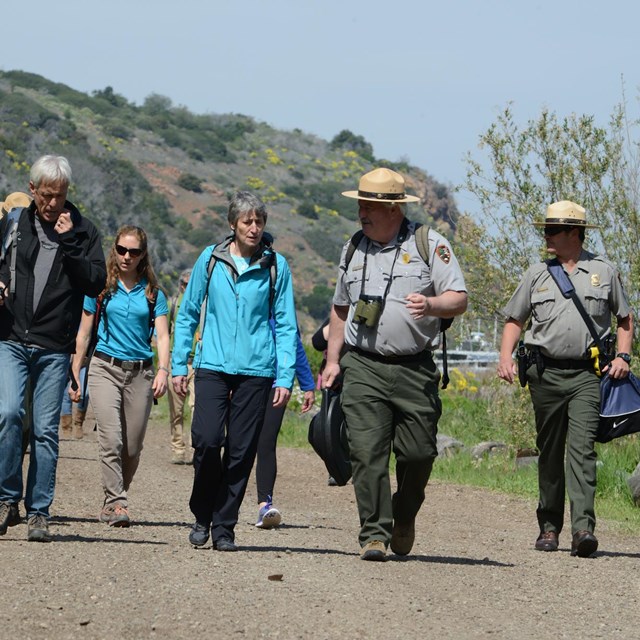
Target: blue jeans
{"points": [[47, 372]]}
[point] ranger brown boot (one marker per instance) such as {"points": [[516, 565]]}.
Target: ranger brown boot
{"points": [[65, 425], [78, 422]]}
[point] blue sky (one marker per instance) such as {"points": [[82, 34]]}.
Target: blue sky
{"points": [[420, 83]]}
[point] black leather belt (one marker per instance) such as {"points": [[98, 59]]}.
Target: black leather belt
{"points": [[413, 357], [125, 365], [552, 363]]}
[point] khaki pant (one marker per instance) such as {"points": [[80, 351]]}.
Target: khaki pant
{"points": [[180, 437], [121, 402]]}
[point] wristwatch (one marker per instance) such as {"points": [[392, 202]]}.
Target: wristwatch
{"points": [[625, 356]]}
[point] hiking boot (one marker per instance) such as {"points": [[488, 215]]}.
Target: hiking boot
{"points": [[402, 537], [115, 515], [199, 534], [225, 544], [78, 423], [268, 517], [547, 541], [583, 544], [9, 516], [177, 457], [66, 425], [374, 551], [38, 529]]}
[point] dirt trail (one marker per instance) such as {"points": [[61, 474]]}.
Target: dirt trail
{"points": [[473, 572]]}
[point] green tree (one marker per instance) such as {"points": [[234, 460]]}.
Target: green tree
{"points": [[524, 170], [111, 97], [351, 142], [155, 104]]}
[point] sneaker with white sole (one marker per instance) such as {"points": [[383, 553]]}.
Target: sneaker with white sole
{"points": [[268, 517]]}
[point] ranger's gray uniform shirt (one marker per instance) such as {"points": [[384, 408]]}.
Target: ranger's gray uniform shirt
{"points": [[397, 333], [556, 326]]}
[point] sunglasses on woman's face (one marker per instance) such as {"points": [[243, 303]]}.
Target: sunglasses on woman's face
{"points": [[122, 251]]}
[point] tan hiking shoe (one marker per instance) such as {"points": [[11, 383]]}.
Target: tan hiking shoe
{"points": [[374, 551], [66, 425], [177, 457], [78, 422]]}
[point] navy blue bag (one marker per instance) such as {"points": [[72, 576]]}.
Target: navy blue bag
{"points": [[619, 407]]}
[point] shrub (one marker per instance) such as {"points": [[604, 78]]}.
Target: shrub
{"points": [[318, 303], [190, 182], [323, 243], [308, 210]]}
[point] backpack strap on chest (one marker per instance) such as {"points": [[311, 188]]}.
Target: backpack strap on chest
{"points": [[11, 240]]}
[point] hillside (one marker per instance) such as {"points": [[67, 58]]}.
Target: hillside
{"points": [[171, 171]]}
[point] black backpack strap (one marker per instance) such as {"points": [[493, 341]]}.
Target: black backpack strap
{"points": [[273, 276], [422, 242], [101, 303], [151, 302], [203, 307], [353, 245], [10, 239]]}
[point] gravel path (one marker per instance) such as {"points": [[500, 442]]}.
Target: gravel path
{"points": [[473, 572]]}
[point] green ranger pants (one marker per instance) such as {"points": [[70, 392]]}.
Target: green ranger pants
{"points": [[566, 403], [390, 406]]}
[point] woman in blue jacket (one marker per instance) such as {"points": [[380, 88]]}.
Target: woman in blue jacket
{"points": [[238, 284]]}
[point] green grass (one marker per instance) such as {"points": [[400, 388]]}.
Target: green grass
{"points": [[498, 413], [495, 413], [294, 430]]}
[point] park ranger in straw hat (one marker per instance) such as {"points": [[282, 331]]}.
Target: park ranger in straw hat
{"points": [[561, 369], [387, 308], [14, 200]]}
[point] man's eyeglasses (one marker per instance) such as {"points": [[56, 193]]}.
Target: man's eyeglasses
{"points": [[554, 231], [122, 251]]}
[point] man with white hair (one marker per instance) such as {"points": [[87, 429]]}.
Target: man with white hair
{"points": [[54, 258]]}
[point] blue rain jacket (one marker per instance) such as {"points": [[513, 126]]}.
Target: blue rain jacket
{"points": [[235, 336]]}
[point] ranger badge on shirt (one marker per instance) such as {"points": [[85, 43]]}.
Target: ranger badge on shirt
{"points": [[442, 251], [595, 279]]}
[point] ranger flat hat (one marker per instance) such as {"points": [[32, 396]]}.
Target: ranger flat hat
{"points": [[381, 185], [15, 199], [567, 213]]}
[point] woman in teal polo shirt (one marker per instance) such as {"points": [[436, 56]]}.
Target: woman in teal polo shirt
{"points": [[121, 378]]}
